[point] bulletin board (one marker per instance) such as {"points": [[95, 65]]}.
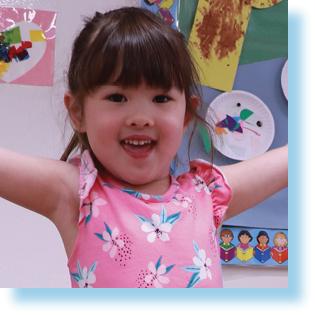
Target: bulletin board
{"points": [[261, 74]]}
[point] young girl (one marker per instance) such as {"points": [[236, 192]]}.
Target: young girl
{"points": [[124, 221]]}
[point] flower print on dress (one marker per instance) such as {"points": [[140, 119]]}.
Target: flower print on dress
{"points": [[158, 273], [90, 207], [136, 194], [200, 184], [213, 185], [111, 240], [201, 267], [159, 226], [84, 278], [180, 200], [140, 195]]}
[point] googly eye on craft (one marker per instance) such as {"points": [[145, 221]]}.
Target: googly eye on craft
{"points": [[243, 122]]}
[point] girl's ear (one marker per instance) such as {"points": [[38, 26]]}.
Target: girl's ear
{"points": [[74, 111], [194, 100]]}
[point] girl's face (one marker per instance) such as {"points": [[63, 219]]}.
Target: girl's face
{"points": [[135, 133]]}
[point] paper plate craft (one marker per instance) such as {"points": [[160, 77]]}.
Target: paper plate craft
{"points": [[284, 80], [27, 46], [244, 125]]}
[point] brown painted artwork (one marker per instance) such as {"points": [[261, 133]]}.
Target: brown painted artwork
{"points": [[217, 37], [221, 27]]}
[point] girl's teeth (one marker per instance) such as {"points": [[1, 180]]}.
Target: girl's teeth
{"points": [[138, 142]]}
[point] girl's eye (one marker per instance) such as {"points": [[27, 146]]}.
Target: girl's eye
{"points": [[160, 99], [117, 98]]}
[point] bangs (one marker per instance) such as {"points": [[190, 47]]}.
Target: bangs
{"points": [[151, 60], [128, 53]]}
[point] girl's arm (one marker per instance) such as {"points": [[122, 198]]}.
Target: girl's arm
{"points": [[254, 180], [46, 186]]}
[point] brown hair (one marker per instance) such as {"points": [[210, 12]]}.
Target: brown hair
{"points": [[143, 45]]}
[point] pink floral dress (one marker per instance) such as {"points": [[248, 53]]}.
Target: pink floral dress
{"points": [[128, 239]]}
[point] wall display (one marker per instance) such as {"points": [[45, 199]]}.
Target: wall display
{"points": [[259, 76], [261, 79], [217, 38], [244, 123], [27, 44], [248, 246], [271, 24]]}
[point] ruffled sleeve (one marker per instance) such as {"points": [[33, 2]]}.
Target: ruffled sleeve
{"points": [[88, 173], [213, 179]]}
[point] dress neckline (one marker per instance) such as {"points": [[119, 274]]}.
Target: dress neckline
{"points": [[110, 182]]}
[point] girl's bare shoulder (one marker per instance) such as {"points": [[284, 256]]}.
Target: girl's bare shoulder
{"points": [[42, 185]]}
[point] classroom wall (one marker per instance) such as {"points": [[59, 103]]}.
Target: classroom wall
{"points": [[33, 123]]}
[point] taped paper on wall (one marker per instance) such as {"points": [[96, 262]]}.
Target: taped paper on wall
{"points": [[27, 46]]}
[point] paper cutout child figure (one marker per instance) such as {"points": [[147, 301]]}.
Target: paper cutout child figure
{"points": [[244, 250], [262, 250], [227, 249], [280, 251]]}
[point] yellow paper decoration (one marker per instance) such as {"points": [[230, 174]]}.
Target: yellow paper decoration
{"points": [[3, 67], [217, 37], [263, 4], [37, 36], [165, 3]]}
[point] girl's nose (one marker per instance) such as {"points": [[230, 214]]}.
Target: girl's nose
{"points": [[140, 117]]}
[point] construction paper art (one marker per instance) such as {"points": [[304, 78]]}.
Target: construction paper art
{"points": [[165, 9], [266, 34], [217, 38], [244, 124], [27, 44]]}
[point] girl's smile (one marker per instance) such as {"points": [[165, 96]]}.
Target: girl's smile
{"points": [[135, 132], [138, 146]]}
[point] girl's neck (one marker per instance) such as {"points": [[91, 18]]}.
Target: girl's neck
{"points": [[154, 188]]}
